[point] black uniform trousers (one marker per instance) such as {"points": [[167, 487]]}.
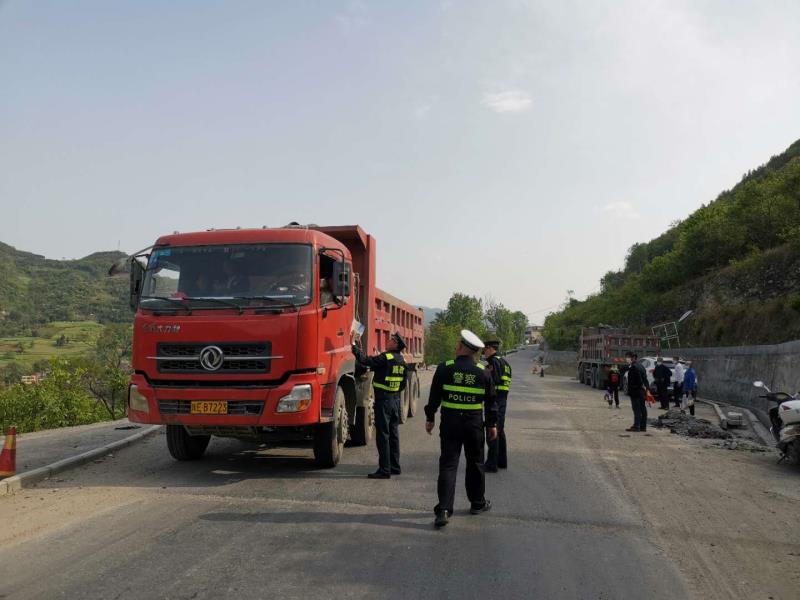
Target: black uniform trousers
{"points": [[387, 434], [677, 393], [663, 395], [498, 451], [613, 394], [461, 428], [639, 410]]}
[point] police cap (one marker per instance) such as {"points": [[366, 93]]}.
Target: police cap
{"points": [[401, 343], [493, 342], [470, 340]]}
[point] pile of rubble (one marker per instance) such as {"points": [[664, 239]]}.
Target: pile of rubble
{"points": [[686, 424]]}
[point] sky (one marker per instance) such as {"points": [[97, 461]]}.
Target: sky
{"points": [[502, 148]]}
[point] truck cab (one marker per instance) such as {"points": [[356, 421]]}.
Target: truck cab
{"points": [[246, 333]]}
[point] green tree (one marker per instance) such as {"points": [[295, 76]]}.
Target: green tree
{"points": [[60, 400], [106, 371]]}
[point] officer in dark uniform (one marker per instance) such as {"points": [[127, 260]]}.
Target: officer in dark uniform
{"points": [[388, 381], [465, 391], [500, 372]]}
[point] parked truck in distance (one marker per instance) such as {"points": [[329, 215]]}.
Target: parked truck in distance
{"points": [[602, 347], [247, 334]]}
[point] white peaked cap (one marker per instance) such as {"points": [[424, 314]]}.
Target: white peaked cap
{"points": [[470, 340]]}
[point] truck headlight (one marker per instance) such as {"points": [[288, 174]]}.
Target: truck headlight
{"points": [[137, 401], [299, 399]]}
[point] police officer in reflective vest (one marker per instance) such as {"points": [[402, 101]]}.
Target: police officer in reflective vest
{"points": [[500, 371], [465, 391], [388, 380]]}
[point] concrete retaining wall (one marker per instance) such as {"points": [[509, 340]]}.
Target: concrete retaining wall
{"points": [[561, 362], [727, 374]]}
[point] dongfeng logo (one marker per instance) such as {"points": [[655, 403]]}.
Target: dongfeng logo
{"points": [[211, 358]]}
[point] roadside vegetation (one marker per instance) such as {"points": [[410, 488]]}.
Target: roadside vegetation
{"points": [[75, 390], [734, 262], [468, 312], [35, 291]]}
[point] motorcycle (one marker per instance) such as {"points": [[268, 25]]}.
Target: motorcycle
{"points": [[785, 419]]}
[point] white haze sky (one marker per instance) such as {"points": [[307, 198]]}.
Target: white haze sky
{"points": [[508, 148]]}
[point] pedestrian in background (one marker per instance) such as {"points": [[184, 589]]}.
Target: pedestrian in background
{"points": [[662, 376], [613, 386], [637, 388], [677, 382], [689, 389]]}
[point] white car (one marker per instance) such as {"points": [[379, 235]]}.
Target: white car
{"points": [[649, 364]]}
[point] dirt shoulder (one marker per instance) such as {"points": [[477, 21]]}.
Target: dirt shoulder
{"points": [[727, 517]]}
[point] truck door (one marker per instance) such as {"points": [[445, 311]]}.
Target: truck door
{"points": [[335, 320]]}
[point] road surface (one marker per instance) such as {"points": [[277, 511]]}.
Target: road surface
{"points": [[584, 511]]}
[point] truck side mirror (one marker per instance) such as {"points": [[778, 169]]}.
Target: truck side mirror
{"points": [[340, 283], [137, 278]]}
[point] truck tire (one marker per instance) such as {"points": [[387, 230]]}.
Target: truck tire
{"points": [[404, 402], [580, 373], [329, 438], [587, 377], [364, 429], [183, 446], [413, 386]]}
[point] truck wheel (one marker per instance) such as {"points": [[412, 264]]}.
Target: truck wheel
{"points": [[329, 438], [404, 406], [364, 428], [580, 373], [413, 395], [587, 376], [183, 446]]}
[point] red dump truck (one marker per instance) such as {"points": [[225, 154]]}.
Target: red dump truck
{"points": [[601, 347], [246, 333]]}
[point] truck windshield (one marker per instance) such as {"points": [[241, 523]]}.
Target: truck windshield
{"points": [[228, 276]]}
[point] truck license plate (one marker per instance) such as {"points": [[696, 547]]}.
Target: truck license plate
{"points": [[209, 407]]}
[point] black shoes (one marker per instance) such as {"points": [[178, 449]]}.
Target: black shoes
{"points": [[442, 519], [379, 475], [489, 469], [396, 471], [476, 510], [633, 429]]}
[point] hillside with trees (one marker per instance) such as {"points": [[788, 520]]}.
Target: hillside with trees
{"points": [[35, 290], [735, 262]]}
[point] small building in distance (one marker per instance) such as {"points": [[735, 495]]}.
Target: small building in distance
{"points": [[533, 334]]}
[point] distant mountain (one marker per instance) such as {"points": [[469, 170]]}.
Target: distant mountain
{"points": [[35, 290], [430, 314]]}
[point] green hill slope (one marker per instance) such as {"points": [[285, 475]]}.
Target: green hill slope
{"points": [[35, 290], [735, 262]]}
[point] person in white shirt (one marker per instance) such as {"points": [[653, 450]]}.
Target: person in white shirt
{"points": [[677, 382]]}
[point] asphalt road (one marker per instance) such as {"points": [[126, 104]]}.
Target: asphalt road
{"points": [[250, 523]]}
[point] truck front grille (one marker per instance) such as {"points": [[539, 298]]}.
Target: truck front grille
{"points": [[237, 358], [239, 408]]}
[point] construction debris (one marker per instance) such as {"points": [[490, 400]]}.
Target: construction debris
{"points": [[685, 424]]}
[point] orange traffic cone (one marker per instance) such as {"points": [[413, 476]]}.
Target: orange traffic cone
{"points": [[8, 457]]}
